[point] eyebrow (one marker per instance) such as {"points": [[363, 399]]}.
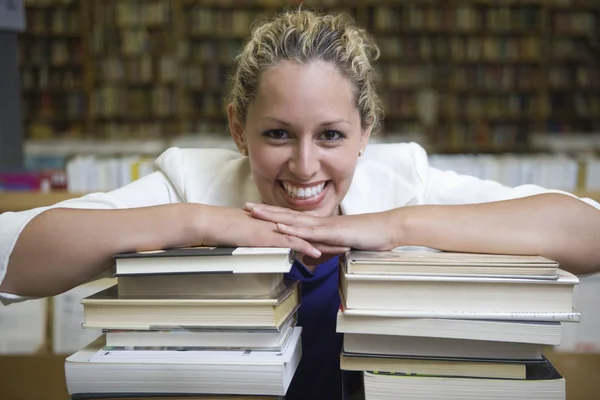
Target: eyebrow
{"points": [[327, 123]]}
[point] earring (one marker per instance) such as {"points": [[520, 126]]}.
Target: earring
{"points": [[244, 152], [360, 153]]}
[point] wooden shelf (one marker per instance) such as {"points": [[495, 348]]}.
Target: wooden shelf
{"points": [[20, 201]]}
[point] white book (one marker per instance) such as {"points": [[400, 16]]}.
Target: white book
{"points": [[410, 346], [383, 386], [457, 294], [203, 338], [234, 260], [254, 374], [546, 333], [573, 316]]}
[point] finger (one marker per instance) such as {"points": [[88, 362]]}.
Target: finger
{"points": [[313, 234], [330, 249], [297, 244], [293, 218], [250, 206]]}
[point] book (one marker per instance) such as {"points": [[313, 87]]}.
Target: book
{"points": [[266, 339], [239, 374], [234, 260], [530, 316], [408, 346], [546, 333], [433, 366], [457, 294], [194, 284], [106, 310], [145, 355], [542, 382], [448, 264]]}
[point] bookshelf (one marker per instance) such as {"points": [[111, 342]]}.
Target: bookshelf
{"points": [[474, 75], [52, 70]]}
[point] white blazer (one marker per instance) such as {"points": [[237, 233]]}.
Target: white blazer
{"points": [[387, 176]]}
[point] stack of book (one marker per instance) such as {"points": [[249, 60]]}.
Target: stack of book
{"points": [[201, 321], [422, 324]]}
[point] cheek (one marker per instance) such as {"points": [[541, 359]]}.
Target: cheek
{"points": [[266, 165], [341, 172]]}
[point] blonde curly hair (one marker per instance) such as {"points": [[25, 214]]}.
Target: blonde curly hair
{"points": [[303, 36]]}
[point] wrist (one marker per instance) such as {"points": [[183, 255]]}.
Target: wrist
{"points": [[193, 223], [400, 218]]}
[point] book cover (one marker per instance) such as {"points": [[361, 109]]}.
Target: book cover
{"points": [[448, 264]]}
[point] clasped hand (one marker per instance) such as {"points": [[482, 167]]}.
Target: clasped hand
{"points": [[331, 235]]}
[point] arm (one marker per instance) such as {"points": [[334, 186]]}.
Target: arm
{"points": [[47, 251], [62, 248], [555, 226]]}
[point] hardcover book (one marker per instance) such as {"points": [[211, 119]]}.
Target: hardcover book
{"points": [[235, 260]]}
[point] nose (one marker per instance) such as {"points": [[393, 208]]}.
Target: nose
{"points": [[304, 163]]}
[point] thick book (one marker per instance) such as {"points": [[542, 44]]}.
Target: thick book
{"points": [[448, 264], [526, 316], [542, 382], [457, 294], [196, 284], [234, 260], [106, 310], [410, 346], [545, 333], [469, 368], [253, 373], [253, 339]]}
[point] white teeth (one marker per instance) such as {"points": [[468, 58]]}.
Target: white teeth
{"points": [[304, 192]]}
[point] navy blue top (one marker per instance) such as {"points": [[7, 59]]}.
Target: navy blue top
{"points": [[318, 376]]}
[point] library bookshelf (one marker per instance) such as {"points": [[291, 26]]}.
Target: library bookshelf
{"points": [[474, 75]]}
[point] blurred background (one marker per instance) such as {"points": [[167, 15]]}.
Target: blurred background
{"points": [[92, 91]]}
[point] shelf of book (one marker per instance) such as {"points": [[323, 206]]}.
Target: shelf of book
{"points": [[19, 201], [156, 69]]}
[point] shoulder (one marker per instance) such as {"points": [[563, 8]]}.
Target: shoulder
{"points": [[206, 175], [388, 175], [402, 160]]}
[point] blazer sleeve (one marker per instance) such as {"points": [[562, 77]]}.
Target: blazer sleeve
{"points": [[448, 187], [153, 189]]}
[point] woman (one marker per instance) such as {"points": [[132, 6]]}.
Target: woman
{"points": [[301, 110]]}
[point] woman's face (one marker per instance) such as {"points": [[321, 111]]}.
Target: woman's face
{"points": [[303, 134]]}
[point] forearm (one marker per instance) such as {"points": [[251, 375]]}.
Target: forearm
{"points": [[551, 225], [61, 248]]}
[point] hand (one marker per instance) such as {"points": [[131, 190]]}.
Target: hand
{"points": [[222, 226], [327, 250], [373, 231]]}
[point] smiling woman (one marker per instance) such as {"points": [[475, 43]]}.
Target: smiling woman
{"points": [[303, 133], [301, 110]]}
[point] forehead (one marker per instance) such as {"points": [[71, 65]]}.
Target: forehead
{"points": [[314, 86]]}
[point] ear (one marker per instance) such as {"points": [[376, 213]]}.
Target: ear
{"points": [[236, 129], [364, 137]]}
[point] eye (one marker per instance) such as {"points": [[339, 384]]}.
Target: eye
{"points": [[332, 136], [277, 134]]}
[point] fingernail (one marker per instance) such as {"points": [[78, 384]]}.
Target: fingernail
{"points": [[256, 209], [316, 253], [282, 226], [250, 204]]}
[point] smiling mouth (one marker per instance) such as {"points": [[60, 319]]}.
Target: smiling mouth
{"points": [[303, 193]]}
